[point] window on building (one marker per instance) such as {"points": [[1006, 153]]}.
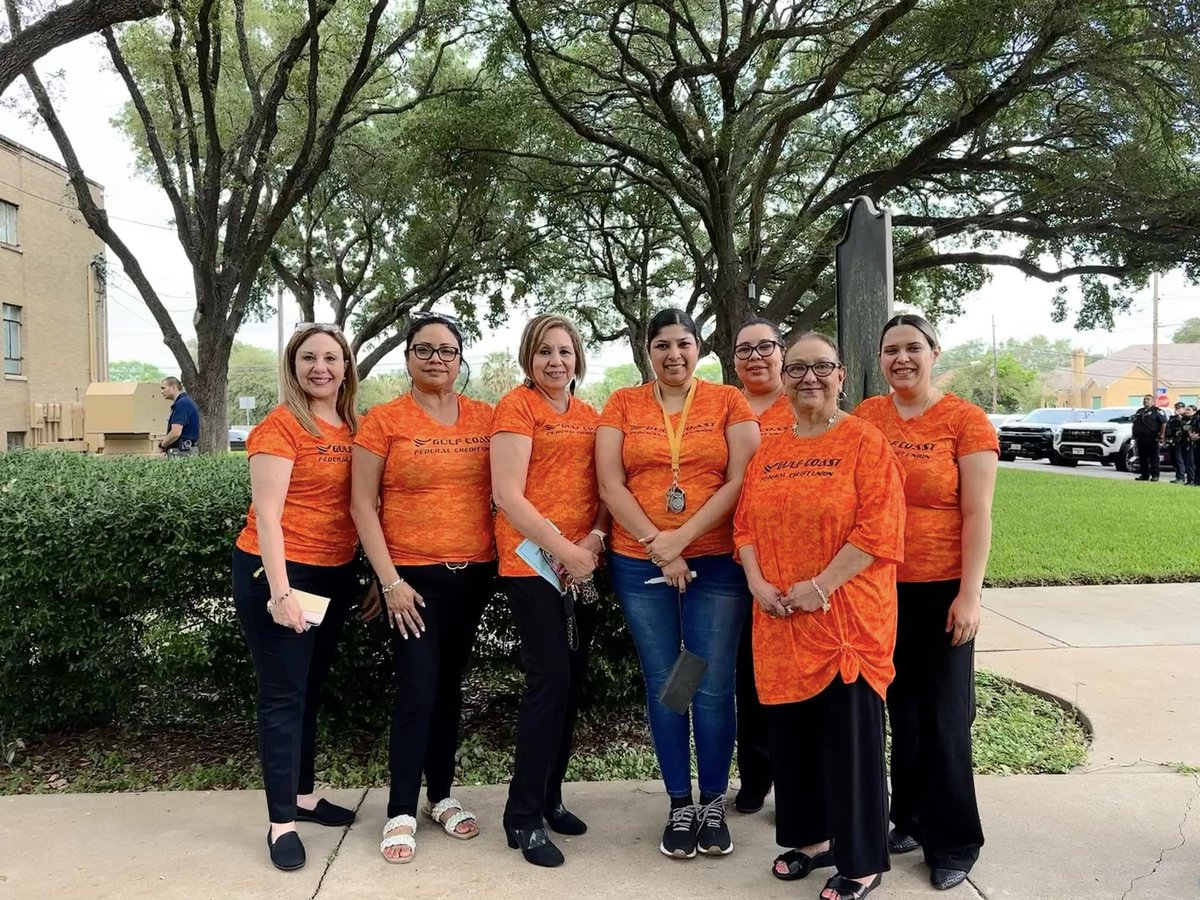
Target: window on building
{"points": [[1189, 399], [16, 440], [8, 223], [1096, 402], [1134, 400], [12, 339]]}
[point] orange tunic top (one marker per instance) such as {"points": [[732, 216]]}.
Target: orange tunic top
{"points": [[929, 448], [436, 491], [802, 500], [317, 528], [704, 456], [776, 418], [561, 481]]}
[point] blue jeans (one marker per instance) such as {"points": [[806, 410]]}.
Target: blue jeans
{"points": [[713, 610]]}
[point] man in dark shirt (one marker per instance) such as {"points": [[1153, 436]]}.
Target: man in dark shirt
{"points": [[183, 425], [1175, 443], [1149, 427]]}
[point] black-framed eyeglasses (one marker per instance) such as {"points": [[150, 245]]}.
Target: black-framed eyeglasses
{"points": [[762, 348], [798, 370], [426, 351]]}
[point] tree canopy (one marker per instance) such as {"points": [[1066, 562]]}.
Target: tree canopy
{"points": [[1188, 332]]}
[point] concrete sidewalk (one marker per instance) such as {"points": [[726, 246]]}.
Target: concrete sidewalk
{"points": [[1127, 826]]}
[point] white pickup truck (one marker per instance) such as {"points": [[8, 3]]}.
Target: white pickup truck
{"points": [[1106, 438]]}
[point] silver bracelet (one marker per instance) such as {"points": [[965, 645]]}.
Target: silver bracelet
{"points": [[275, 601], [824, 597], [387, 589]]}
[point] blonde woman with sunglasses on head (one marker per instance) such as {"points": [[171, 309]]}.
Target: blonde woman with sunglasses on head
{"points": [[298, 537]]}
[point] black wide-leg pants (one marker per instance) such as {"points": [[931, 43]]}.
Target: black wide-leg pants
{"points": [[931, 705], [830, 781]]}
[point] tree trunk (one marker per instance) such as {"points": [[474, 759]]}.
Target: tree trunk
{"points": [[731, 307], [211, 387], [637, 343]]}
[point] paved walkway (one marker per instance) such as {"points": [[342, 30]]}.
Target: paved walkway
{"points": [[1126, 826]]}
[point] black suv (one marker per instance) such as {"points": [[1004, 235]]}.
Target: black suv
{"points": [[1037, 433]]}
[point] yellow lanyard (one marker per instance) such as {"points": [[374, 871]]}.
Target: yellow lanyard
{"points": [[675, 438]]}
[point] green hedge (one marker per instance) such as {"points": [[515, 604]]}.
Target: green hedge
{"points": [[115, 604]]}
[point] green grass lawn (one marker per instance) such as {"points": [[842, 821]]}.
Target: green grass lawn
{"points": [[1057, 529]]}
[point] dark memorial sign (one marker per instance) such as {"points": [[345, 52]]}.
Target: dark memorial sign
{"points": [[863, 260]]}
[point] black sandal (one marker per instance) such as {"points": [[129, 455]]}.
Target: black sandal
{"points": [[800, 864], [849, 889]]}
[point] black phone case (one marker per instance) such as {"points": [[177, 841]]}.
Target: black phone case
{"points": [[683, 681]]}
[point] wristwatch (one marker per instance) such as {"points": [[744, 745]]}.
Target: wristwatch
{"points": [[600, 534]]}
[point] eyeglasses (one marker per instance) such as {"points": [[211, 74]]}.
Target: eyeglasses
{"points": [[327, 328], [426, 351], [762, 348], [821, 369]]}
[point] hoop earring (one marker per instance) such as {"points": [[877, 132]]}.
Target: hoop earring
{"points": [[841, 397]]}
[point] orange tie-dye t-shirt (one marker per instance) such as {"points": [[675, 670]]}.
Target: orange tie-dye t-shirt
{"points": [[801, 502], [703, 459], [561, 481], [316, 523], [776, 418], [929, 448], [435, 496]]}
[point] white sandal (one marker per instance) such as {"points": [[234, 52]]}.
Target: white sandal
{"points": [[399, 840], [450, 826]]}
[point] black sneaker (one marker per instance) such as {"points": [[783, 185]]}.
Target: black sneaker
{"points": [[713, 838], [679, 837]]}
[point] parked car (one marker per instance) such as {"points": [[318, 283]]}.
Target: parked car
{"points": [[237, 437], [1037, 433], [998, 419], [1166, 459], [1106, 438]]}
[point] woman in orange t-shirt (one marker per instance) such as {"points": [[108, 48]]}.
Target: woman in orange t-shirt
{"points": [[422, 501], [298, 537], [819, 528], [758, 361], [544, 484], [949, 450], [671, 455]]}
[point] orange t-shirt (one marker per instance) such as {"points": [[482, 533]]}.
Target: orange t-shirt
{"points": [[703, 458], [317, 528], [435, 497], [802, 500], [776, 418], [929, 448], [561, 480]]}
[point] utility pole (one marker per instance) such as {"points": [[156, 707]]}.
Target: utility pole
{"points": [[1154, 345], [279, 324], [995, 371]]}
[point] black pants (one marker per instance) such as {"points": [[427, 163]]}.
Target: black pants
{"points": [[550, 705], [428, 680], [931, 705], [830, 781], [1148, 461], [753, 749], [290, 669]]}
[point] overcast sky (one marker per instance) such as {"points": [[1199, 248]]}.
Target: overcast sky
{"points": [[90, 94]]}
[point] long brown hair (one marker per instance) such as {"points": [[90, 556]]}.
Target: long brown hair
{"points": [[294, 396]]}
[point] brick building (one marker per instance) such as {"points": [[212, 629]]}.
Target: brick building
{"points": [[51, 291]]}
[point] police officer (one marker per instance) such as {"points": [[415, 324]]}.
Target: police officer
{"points": [[1149, 430], [183, 425]]}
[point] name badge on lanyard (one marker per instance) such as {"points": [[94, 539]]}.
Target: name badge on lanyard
{"points": [[676, 497]]}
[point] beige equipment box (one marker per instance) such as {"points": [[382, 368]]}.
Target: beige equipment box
{"points": [[125, 417]]}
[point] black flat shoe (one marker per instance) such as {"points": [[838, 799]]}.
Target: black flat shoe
{"points": [[535, 846], [750, 801], [944, 879], [287, 853], [326, 813], [562, 820], [901, 842], [849, 889], [800, 864]]}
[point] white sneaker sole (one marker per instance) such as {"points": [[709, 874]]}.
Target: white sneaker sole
{"points": [[676, 854]]}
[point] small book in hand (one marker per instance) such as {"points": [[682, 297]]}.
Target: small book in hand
{"points": [[312, 605]]}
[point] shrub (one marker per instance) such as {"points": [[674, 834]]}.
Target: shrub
{"points": [[115, 603]]}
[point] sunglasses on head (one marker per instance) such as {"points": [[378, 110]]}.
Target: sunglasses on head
{"points": [[327, 328]]}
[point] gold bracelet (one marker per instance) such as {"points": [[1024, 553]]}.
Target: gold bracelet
{"points": [[821, 594], [387, 589], [275, 601]]}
